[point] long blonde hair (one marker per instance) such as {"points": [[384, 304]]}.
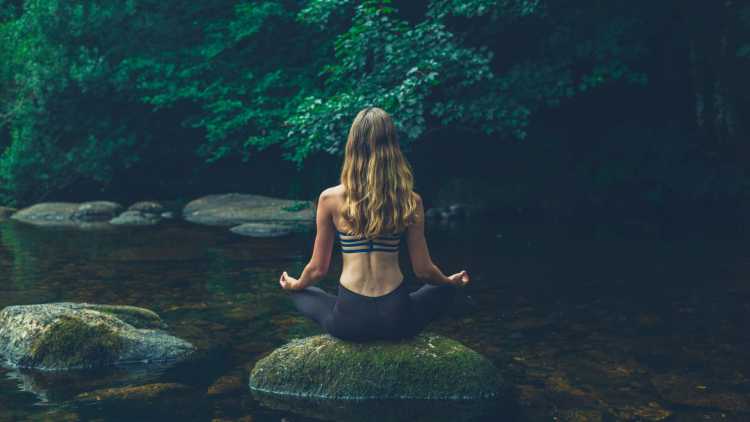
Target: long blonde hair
{"points": [[377, 179]]}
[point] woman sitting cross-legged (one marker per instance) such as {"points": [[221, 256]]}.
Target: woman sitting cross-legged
{"points": [[371, 212]]}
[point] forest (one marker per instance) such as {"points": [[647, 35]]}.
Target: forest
{"points": [[536, 109]]}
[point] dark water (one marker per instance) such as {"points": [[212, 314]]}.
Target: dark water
{"points": [[586, 324]]}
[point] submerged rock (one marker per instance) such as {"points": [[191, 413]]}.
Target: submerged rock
{"points": [[61, 336], [86, 214], [128, 396], [263, 229], [691, 391], [232, 209], [135, 218], [428, 366], [226, 385], [161, 401]]}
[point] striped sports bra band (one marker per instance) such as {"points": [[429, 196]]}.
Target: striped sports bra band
{"points": [[359, 244]]}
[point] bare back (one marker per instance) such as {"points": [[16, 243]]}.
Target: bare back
{"points": [[372, 273]]}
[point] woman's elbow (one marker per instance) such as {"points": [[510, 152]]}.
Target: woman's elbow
{"points": [[317, 272], [423, 272]]}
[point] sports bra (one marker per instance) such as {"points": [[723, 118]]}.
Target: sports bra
{"points": [[358, 244]]}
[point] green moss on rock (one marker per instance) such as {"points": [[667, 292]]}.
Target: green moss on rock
{"points": [[428, 366], [72, 343], [137, 317]]}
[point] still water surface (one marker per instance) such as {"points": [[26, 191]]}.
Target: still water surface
{"points": [[586, 323]]}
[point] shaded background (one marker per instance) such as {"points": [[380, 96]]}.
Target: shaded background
{"points": [[565, 111]]}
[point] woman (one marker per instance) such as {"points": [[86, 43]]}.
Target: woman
{"points": [[372, 209]]}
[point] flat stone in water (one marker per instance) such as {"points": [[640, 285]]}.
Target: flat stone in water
{"points": [[263, 229], [135, 218], [62, 336], [428, 366], [92, 214], [150, 207], [231, 209], [96, 211]]}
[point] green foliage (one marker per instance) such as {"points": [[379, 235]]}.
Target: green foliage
{"points": [[306, 71], [297, 206], [55, 74], [80, 79]]}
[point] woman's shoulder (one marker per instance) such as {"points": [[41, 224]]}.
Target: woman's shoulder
{"points": [[332, 194], [337, 193], [332, 191]]}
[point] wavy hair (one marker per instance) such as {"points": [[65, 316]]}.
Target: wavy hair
{"points": [[377, 179]]}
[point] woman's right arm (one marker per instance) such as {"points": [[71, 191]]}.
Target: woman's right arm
{"points": [[421, 261]]}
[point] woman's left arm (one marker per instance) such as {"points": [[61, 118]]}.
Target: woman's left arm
{"points": [[317, 268]]}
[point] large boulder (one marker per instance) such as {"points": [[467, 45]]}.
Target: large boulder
{"points": [[232, 209], [69, 214], [61, 336], [426, 367]]}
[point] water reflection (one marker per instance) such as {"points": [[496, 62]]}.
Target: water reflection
{"points": [[386, 410]]}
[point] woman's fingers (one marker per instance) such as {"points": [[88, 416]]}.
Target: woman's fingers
{"points": [[462, 278], [283, 281]]}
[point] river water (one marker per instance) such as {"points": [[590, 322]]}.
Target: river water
{"points": [[585, 323]]}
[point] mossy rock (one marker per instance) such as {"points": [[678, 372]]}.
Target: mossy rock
{"points": [[71, 342], [61, 336], [133, 315], [428, 366]]}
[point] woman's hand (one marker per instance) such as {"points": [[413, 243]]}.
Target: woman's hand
{"points": [[289, 283], [460, 279]]}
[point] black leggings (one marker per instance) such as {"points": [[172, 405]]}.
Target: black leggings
{"points": [[355, 317]]}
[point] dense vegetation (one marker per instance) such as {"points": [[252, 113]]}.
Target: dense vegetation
{"points": [[531, 104]]}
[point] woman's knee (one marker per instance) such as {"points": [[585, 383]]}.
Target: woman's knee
{"points": [[430, 291]]}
